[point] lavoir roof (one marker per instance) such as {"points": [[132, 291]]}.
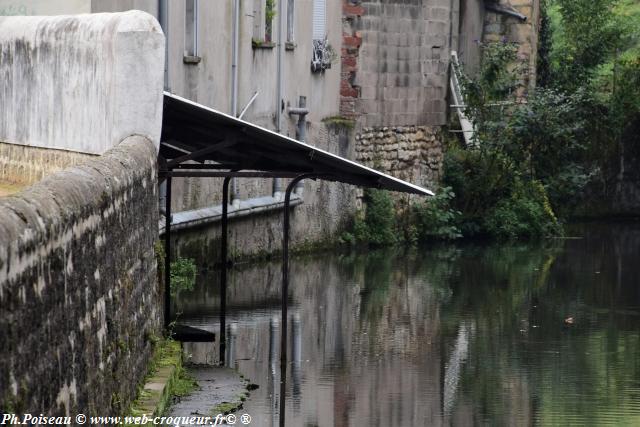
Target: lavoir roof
{"points": [[210, 140]]}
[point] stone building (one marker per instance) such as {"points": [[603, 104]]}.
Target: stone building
{"points": [[373, 76]]}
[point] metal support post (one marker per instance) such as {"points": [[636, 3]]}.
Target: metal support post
{"points": [[223, 269], [167, 256]]}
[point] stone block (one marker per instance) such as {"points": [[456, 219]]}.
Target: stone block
{"points": [[106, 65]]}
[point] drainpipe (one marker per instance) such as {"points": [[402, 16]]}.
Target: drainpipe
{"points": [[163, 17], [505, 10], [301, 130], [235, 199], [277, 182]]}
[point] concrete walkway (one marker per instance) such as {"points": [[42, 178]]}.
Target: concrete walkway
{"points": [[221, 391]]}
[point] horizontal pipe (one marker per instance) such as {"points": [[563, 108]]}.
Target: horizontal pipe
{"points": [[298, 110]]}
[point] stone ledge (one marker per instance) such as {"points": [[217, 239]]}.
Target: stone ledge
{"points": [[198, 217], [155, 396]]}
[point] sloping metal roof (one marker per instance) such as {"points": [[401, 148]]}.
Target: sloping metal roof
{"points": [[194, 132]]}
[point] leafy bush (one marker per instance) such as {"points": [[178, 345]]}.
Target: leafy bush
{"points": [[526, 213], [522, 147], [378, 225], [375, 226], [436, 219], [183, 275]]}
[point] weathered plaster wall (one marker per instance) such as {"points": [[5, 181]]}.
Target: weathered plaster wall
{"points": [[396, 59], [85, 97], [78, 285]]}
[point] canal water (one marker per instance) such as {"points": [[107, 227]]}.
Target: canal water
{"points": [[471, 334]]}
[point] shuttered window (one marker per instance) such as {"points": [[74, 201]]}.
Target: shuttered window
{"points": [[191, 28], [319, 19], [290, 20]]}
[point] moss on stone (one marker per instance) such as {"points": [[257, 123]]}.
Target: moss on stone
{"points": [[226, 408], [165, 379], [339, 122]]}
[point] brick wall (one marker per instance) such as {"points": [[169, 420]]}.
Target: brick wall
{"points": [[78, 285]]}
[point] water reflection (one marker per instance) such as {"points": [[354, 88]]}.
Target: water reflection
{"points": [[457, 335]]}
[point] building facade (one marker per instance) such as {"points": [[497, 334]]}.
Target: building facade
{"points": [[371, 75]]}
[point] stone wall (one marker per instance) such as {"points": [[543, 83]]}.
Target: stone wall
{"points": [[78, 285], [499, 27], [411, 153]]}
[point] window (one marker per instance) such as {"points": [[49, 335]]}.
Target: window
{"points": [[323, 54], [290, 18], [191, 29], [269, 13], [319, 20], [263, 13]]}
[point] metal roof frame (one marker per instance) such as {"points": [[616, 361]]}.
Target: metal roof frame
{"points": [[198, 141], [194, 132]]}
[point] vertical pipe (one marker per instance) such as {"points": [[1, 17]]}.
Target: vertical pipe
{"points": [[277, 183], [167, 257], [279, 70], [285, 293], [302, 135], [234, 58], [223, 269], [234, 78], [163, 17]]}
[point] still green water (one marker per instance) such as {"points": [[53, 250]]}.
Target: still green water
{"points": [[538, 334]]}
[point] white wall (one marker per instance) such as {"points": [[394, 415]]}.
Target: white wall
{"points": [[80, 83], [44, 7]]}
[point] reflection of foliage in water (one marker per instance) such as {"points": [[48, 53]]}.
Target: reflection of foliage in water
{"points": [[377, 268], [523, 356]]}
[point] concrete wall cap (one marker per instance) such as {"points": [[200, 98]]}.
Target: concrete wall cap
{"points": [[81, 83]]}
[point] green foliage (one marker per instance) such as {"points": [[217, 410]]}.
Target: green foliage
{"points": [[500, 186], [269, 14], [270, 11], [590, 35], [595, 60], [526, 213], [436, 219], [378, 225], [543, 65], [183, 275]]}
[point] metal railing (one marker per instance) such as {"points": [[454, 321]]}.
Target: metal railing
{"points": [[458, 104]]}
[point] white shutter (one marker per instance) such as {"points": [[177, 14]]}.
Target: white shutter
{"points": [[319, 19]]}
